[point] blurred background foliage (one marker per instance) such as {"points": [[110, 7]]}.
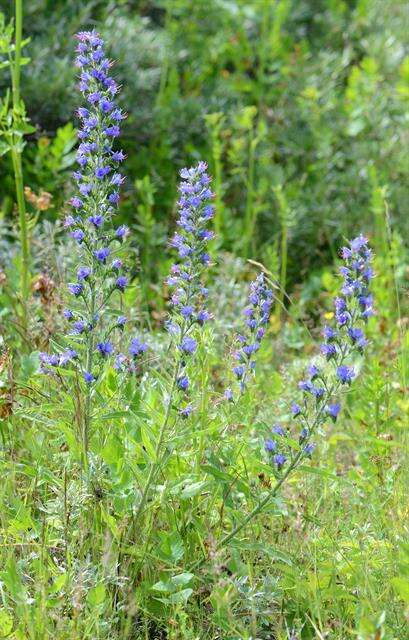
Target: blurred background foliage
{"points": [[299, 106]]}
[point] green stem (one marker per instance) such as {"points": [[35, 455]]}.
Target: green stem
{"points": [[158, 447], [17, 166], [250, 216], [283, 272], [89, 365]]}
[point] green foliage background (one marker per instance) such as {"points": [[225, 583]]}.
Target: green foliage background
{"points": [[308, 96], [300, 108]]}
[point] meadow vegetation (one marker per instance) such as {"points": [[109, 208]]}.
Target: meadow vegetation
{"points": [[204, 320]]}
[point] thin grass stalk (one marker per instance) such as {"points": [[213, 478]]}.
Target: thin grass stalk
{"points": [[18, 171]]}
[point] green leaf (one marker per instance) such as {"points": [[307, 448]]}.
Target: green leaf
{"points": [[6, 623], [182, 579], [181, 597], [401, 586], [4, 148], [192, 490], [96, 595]]}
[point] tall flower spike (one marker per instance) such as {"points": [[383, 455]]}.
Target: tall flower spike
{"points": [[188, 300], [99, 272], [257, 314], [326, 378]]}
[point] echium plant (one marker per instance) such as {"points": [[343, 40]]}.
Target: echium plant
{"points": [[100, 271], [326, 378], [189, 312], [188, 300], [257, 314]]}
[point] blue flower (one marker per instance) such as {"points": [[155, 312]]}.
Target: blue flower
{"points": [[121, 282], [183, 382], [280, 460], [105, 349], [102, 254], [257, 313], [270, 445], [88, 377], [333, 410], [188, 345], [345, 374], [137, 347], [75, 288], [83, 273]]}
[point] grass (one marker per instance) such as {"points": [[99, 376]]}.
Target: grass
{"points": [[319, 562]]}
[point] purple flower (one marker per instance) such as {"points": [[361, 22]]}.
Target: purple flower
{"points": [[101, 172], [136, 348], [280, 459], [76, 202], [88, 377], [78, 235], [278, 429], [295, 409], [188, 345], [186, 311], [328, 350], [78, 327], [333, 410], [68, 314], [83, 273], [345, 374], [183, 383], [121, 282], [96, 220], [186, 411], [67, 356], [102, 254], [121, 232], [75, 288], [121, 321], [270, 445], [239, 371], [228, 395], [116, 264], [51, 360], [309, 449], [105, 349]]}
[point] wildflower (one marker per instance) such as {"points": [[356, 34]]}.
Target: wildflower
{"points": [[137, 347], [102, 254], [83, 273], [98, 181], [186, 411], [188, 345], [352, 309], [280, 460], [188, 295], [121, 282], [183, 382], [75, 288], [105, 349], [333, 410], [270, 445], [345, 374], [257, 314]]}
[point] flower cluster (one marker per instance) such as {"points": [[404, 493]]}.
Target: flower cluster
{"points": [[100, 271], [326, 377], [188, 299], [257, 314]]}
